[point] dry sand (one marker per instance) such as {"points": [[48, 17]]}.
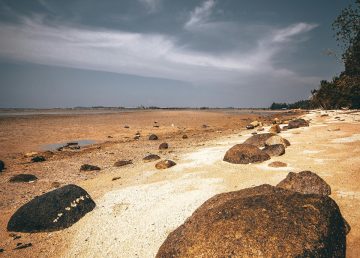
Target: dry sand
{"points": [[135, 214]]}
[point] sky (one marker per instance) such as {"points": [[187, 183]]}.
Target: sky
{"points": [[165, 53]]}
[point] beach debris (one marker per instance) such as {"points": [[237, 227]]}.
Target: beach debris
{"points": [[305, 182], [164, 164], [55, 210], [153, 137], [258, 140], [185, 136], [163, 146], [38, 159], [261, 221], [275, 129], [88, 167], [296, 123], [23, 178], [277, 164], [151, 157], [22, 246], [274, 150], [245, 154], [124, 162], [276, 139], [2, 165]]}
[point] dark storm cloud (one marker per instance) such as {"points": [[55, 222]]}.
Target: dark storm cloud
{"points": [[223, 53]]}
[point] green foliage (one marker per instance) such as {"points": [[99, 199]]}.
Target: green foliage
{"points": [[302, 104], [344, 90]]}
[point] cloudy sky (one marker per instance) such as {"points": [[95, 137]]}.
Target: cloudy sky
{"points": [[218, 53]]}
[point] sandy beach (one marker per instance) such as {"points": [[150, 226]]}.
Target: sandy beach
{"points": [[136, 212]]}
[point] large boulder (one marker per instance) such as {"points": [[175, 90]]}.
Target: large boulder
{"points": [[245, 154], [2, 165], [305, 182], [52, 211], [275, 150], [276, 139], [259, 140], [23, 178], [296, 123], [262, 221]]}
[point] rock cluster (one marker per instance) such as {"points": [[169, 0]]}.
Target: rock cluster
{"points": [[263, 221]]}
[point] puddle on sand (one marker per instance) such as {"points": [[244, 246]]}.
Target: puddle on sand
{"points": [[54, 146]]}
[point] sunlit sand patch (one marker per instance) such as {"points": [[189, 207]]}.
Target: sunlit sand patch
{"points": [[310, 151], [353, 138], [134, 221]]}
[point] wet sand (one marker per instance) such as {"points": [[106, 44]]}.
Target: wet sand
{"points": [[135, 213]]}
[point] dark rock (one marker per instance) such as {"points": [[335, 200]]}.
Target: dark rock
{"points": [[109, 136], [121, 163], [71, 144], [38, 159], [22, 246], [126, 126], [23, 178], [245, 154], [205, 126], [275, 150], [185, 136], [1, 250], [249, 127], [151, 157], [305, 182], [156, 126], [52, 211], [116, 178], [153, 137], [263, 221], [2, 165], [296, 123], [136, 137], [163, 146], [165, 164], [277, 164], [259, 140], [87, 167]]}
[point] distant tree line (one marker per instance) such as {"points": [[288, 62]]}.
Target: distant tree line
{"points": [[303, 104]]}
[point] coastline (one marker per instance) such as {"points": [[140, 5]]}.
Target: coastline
{"points": [[199, 174]]}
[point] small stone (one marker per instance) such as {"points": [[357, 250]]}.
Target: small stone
{"points": [[2, 165], [126, 126], [23, 178], [153, 137], [38, 159], [277, 164], [116, 178], [136, 137], [121, 163], [165, 164], [163, 146], [249, 127], [185, 136], [151, 157], [275, 129], [22, 246], [88, 167]]}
